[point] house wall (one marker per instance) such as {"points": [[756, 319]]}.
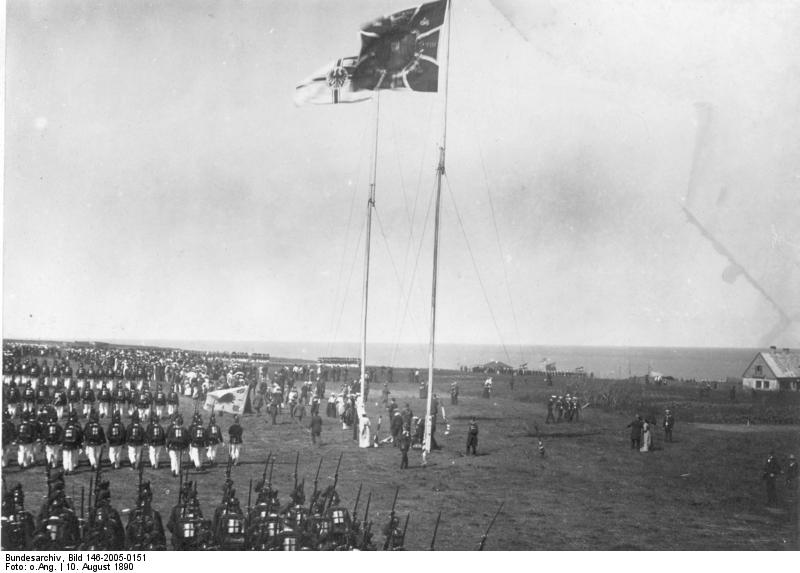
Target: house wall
{"points": [[759, 370], [760, 384]]}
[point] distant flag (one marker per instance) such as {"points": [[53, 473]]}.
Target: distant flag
{"points": [[400, 51], [232, 400], [331, 84]]}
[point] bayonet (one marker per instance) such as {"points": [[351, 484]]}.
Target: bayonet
{"points": [[485, 535], [435, 529]]}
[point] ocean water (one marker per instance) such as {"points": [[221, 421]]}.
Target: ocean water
{"points": [[603, 361]]}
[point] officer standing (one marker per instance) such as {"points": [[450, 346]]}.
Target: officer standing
{"points": [[176, 443], [636, 432], [771, 471], [472, 436], [117, 436], [454, 393], [235, 440], [669, 423], [791, 473], [316, 428], [405, 445]]}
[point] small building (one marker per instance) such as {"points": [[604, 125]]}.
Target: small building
{"points": [[773, 370]]}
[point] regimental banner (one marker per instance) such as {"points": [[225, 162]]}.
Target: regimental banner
{"points": [[331, 84], [232, 400], [400, 51]]}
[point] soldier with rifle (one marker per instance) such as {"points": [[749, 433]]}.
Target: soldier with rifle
{"points": [[17, 524], [228, 525], [105, 531], [395, 537], [58, 526], [9, 436], [263, 522], [145, 530]]}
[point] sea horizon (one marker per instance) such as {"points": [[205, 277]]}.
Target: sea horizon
{"points": [[712, 363]]}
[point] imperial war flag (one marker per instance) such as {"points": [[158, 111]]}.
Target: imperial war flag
{"points": [[330, 84], [232, 400], [400, 51]]}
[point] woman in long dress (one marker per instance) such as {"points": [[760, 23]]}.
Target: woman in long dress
{"points": [[647, 437]]}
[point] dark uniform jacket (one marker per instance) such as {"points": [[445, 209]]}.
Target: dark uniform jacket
{"points": [[235, 434]]}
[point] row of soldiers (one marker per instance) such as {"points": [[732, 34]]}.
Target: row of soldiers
{"points": [[563, 407], [42, 432], [265, 525], [128, 397]]}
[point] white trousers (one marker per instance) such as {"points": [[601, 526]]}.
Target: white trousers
{"points": [[93, 453], [211, 452], [53, 453], [174, 460], [134, 455], [235, 451], [194, 455], [69, 459], [25, 455], [115, 455], [155, 455]]}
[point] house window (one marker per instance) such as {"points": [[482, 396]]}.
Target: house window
{"points": [[758, 383], [766, 384], [758, 370]]}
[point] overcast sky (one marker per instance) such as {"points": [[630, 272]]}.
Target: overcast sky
{"points": [[160, 182]]}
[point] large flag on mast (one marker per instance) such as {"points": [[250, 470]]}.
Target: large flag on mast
{"points": [[400, 51], [331, 84]]}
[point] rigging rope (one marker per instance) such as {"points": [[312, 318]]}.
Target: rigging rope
{"points": [[502, 254], [477, 271]]}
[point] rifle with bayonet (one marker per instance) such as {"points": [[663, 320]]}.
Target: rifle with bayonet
{"points": [[315, 495], [389, 543], [485, 535], [435, 529], [335, 483], [367, 536]]}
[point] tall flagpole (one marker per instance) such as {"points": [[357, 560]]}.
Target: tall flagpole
{"points": [[370, 206], [426, 447]]}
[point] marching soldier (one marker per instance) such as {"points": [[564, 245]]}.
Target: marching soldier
{"points": [[472, 436], [135, 438], [172, 402], [71, 443], [59, 399], [9, 436], [26, 436], [52, 442], [87, 396], [145, 530], [197, 441], [160, 401], [214, 439], [95, 438], [155, 437], [104, 400], [235, 440], [117, 436], [145, 400], [42, 395], [12, 399], [73, 396], [177, 441], [119, 397], [28, 397]]}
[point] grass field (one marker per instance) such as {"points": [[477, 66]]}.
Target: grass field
{"points": [[590, 491]]}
